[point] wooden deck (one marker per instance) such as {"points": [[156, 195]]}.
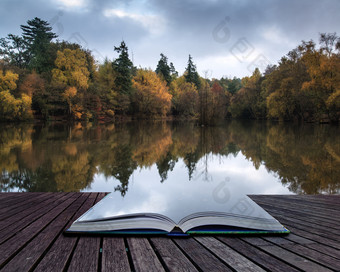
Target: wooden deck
{"points": [[32, 224]]}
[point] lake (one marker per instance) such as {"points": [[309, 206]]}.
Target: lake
{"points": [[256, 157]]}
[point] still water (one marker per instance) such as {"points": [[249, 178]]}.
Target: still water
{"points": [[257, 157]]}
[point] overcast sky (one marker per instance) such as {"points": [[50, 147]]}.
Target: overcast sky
{"points": [[225, 37]]}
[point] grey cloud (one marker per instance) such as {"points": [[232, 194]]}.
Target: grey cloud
{"points": [[272, 27]]}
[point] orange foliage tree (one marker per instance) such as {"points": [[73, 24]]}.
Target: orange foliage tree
{"points": [[151, 93]]}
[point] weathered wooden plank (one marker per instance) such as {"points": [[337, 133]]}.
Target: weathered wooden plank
{"points": [[311, 254], [143, 256], [85, 253], [326, 199], [114, 253], [171, 255], [8, 209], [204, 259], [8, 195], [314, 245], [32, 252], [257, 256], [313, 202], [274, 207], [290, 208], [322, 212], [331, 198], [228, 255], [311, 227], [58, 255], [28, 210], [314, 237], [87, 246], [319, 244], [285, 255], [14, 244], [17, 196], [21, 223], [304, 217]]}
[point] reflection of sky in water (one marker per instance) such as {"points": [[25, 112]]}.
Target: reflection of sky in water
{"points": [[147, 194], [237, 171]]}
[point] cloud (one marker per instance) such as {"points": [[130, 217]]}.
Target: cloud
{"points": [[153, 23], [72, 3], [178, 28]]}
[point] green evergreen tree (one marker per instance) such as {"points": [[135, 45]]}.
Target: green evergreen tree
{"points": [[37, 35], [163, 69], [173, 72], [191, 74], [13, 50], [123, 66], [124, 70]]}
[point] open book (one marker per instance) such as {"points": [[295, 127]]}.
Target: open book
{"points": [[204, 209]]}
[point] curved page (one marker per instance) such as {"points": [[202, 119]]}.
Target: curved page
{"points": [[182, 200]]}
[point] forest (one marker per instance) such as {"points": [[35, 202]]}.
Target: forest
{"points": [[44, 78]]}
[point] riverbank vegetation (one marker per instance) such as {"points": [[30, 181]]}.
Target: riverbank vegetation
{"points": [[45, 78]]}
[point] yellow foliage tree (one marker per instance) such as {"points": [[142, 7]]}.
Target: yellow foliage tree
{"points": [[8, 81], [12, 108], [71, 69], [185, 97], [151, 97]]}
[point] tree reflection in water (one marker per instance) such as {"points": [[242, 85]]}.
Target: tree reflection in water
{"points": [[305, 158]]}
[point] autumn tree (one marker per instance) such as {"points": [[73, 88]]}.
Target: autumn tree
{"points": [[69, 96], [151, 95], [282, 87], [107, 87], [185, 99], [219, 101], [32, 84], [213, 102], [8, 81], [323, 68], [71, 69], [250, 100], [72, 76], [12, 108]]}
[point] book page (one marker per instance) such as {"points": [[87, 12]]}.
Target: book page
{"points": [[176, 199]]}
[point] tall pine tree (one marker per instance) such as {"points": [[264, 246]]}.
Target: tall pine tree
{"points": [[173, 72], [37, 35], [163, 69], [123, 67], [191, 74], [31, 49]]}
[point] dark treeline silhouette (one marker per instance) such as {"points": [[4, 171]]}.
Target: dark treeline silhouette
{"points": [[41, 77], [59, 157]]}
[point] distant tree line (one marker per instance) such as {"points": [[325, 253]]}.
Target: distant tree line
{"points": [[41, 77]]}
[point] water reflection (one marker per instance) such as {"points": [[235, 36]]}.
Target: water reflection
{"points": [[305, 158]]}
